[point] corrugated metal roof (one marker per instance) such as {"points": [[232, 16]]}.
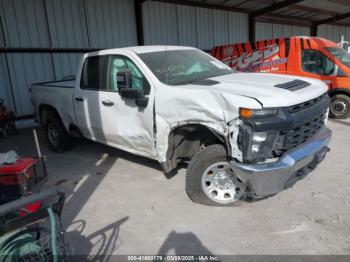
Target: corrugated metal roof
{"points": [[309, 10], [253, 5], [233, 3], [334, 5]]}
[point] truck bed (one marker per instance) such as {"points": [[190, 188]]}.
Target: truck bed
{"points": [[62, 83], [58, 94]]}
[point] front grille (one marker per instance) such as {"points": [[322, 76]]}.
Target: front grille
{"points": [[307, 104], [309, 118], [302, 133]]}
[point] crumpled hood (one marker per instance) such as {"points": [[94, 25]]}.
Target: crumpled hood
{"points": [[260, 86]]}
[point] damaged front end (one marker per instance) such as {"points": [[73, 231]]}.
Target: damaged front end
{"points": [[277, 145]]}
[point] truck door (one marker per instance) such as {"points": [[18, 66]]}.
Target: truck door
{"points": [[317, 65], [104, 116]]}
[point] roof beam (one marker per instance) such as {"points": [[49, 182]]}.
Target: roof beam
{"points": [[204, 5], [274, 7], [332, 19]]}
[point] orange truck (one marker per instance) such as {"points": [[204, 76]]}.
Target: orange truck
{"points": [[301, 56]]}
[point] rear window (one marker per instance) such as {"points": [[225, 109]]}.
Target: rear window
{"points": [[94, 73]]}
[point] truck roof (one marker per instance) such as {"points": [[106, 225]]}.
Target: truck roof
{"points": [[141, 49]]}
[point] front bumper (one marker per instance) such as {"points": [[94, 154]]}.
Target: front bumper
{"points": [[269, 178]]}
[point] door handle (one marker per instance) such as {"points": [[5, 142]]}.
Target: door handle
{"points": [[80, 99], [107, 103]]}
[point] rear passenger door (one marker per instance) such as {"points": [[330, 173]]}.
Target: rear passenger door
{"points": [[86, 99]]}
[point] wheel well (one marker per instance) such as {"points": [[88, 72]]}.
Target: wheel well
{"points": [[45, 110], [185, 141], [339, 91]]}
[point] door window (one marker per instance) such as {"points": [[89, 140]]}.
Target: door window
{"points": [[94, 73], [317, 63], [120, 63]]}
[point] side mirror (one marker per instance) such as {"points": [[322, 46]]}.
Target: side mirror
{"points": [[131, 93], [124, 82], [142, 101], [137, 94], [124, 79]]}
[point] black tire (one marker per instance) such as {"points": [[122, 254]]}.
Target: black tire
{"points": [[64, 141], [199, 163], [340, 106]]}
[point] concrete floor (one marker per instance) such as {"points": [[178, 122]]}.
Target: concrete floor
{"points": [[118, 203]]}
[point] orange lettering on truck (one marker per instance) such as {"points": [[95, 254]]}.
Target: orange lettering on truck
{"points": [[303, 56]]}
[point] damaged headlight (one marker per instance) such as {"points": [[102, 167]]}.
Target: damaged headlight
{"points": [[256, 146], [262, 144]]}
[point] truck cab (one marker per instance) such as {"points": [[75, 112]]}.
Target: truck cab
{"points": [[300, 56]]}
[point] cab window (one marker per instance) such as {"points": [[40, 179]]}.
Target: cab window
{"points": [[94, 71], [315, 62], [120, 63]]}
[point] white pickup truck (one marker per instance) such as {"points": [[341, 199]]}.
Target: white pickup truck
{"points": [[245, 135]]}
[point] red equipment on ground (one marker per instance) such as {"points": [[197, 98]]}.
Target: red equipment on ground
{"points": [[21, 178]]}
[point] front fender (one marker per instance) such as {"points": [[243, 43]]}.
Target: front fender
{"points": [[176, 106]]}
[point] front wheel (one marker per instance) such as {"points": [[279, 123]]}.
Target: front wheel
{"points": [[340, 106], [211, 181]]}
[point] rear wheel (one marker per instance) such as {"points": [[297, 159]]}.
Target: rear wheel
{"points": [[340, 106], [211, 181], [56, 134]]}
